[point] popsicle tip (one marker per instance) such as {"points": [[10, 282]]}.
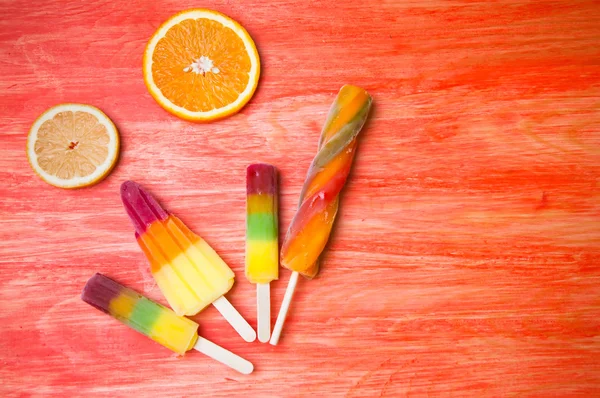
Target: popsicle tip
{"points": [[85, 288], [129, 186], [260, 166], [140, 206], [89, 282], [261, 178], [351, 87], [99, 290]]}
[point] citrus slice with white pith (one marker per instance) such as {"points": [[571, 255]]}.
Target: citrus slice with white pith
{"points": [[73, 145]]}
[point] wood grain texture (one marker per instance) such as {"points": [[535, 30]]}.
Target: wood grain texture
{"points": [[466, 257]]}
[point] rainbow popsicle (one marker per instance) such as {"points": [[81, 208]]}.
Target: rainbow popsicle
{"points": [[311, 226], [159, 323], [190, 274], [262, 244]]}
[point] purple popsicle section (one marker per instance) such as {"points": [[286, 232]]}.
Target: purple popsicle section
{"points": [[99, 291], [141, 207], [261, 178]]}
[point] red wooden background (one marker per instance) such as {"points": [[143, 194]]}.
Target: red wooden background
{"points": [[466, 258]]}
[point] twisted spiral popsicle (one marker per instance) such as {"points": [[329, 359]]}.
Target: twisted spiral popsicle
{"points": [[311, 226]]}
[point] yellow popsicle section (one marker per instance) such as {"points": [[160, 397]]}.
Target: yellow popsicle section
{"points": [[189, 272]]}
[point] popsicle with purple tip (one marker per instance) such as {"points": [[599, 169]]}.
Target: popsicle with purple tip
{"points": [[262, 243], [159, 323], [190, 274]]}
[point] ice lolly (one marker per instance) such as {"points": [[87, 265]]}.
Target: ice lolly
{"points": [[310, 228], [159, 323], [190, 274], [262, 243]]}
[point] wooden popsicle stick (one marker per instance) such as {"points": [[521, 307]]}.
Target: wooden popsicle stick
{"points": [[285, 306], [234, 318], [224, 356], [263, 311]]}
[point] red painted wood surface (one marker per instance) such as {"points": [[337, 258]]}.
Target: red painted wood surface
{"points": [[466, 257]]}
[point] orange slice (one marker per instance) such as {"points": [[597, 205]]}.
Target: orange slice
{"points": [[201, 65], [73, 145]]}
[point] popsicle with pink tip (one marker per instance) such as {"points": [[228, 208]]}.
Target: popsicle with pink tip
{"points": [[151, 319], [190, 274], [262, 242]]}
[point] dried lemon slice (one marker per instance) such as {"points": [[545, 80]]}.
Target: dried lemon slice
{"points": [[73, 145]]}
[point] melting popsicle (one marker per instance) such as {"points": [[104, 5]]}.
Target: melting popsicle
{"points": [[310, 228], [159, 323], [262, 245], [190, 274]]}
